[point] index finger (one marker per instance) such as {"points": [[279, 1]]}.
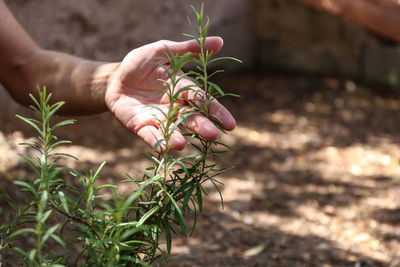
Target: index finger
{"points": [[217, 112]]}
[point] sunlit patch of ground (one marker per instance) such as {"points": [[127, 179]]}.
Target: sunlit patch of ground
{"points": [[316, 179]]}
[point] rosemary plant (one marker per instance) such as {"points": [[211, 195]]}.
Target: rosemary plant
{"points": [[99, 228]]}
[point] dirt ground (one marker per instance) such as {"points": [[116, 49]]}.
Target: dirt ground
{"points": [[316, 179], [317, 176]]}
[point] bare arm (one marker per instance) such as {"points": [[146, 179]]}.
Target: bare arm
{"points": [[81, 83], [379, 16], [126, 89], [24, 66]]}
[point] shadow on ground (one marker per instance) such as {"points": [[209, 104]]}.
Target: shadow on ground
{"points": [[315, 182]]}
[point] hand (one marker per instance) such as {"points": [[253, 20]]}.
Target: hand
{"points": [[135, 84]]}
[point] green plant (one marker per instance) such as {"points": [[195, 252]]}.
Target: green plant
{"points": [[103, 227]]}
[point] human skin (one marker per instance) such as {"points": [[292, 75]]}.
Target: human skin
{"points": [[379, 16], [125, 88]]}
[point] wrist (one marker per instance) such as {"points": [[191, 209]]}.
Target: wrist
{"points": [[101, 80]]}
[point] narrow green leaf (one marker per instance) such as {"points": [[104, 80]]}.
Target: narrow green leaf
{"points": [[188, 196], [53, 109], [134, 196], [90, 250], [31, 123], [99, 170], [54, 172], [215, 73], [159, 109], [20, 252], [34, 145], [233, 95], [62, 123], [194, 219], [56, 144], [63, 201], [106, 186], [42, 218], [49, 232], [18, 232], [179, 214], [127, 224], [9, 200], [180, 163], [34, 100], [200, 16], [147, 215], [28, 186], [199, 197], [219, 192], [62, 154], [216, 87], [157, 145], [138, 242], [225, 58], [46, 100], [168, 237], [32, 255], [130, 232], [189, 35], [205, 29], [59, 240]]}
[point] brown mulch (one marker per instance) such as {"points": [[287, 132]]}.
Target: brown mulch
{"points": [[316, 179]]}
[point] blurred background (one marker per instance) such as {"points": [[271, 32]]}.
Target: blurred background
{"points": [[316, 179]]}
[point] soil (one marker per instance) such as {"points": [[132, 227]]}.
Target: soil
{"points": [[316, 179]]}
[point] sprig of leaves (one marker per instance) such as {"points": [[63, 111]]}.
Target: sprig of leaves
{"points": [[184, 177], [99, 226]]}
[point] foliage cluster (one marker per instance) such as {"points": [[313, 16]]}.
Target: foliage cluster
{"points": [[109, 228]]}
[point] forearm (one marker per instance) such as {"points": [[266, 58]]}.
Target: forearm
{"points": [[80, 83], [380, 16], [24, 67]]}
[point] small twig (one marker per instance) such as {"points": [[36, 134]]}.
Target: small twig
{"points": [[75, 219]]}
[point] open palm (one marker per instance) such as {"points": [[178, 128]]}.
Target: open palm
{"points": [[132, 94]]}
